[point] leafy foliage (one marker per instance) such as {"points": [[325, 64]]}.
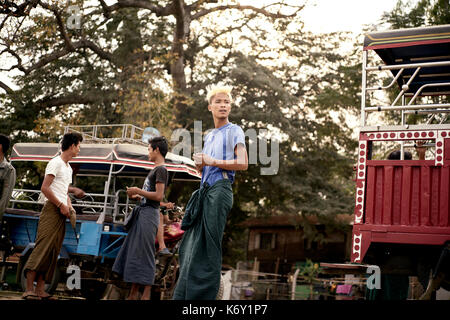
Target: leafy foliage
{"points": [[150, 65], [425, 12]]}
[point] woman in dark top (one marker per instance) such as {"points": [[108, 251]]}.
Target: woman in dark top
{"points": [[136, 258]]}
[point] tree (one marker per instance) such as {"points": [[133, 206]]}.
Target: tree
{"points": [[119, 49], [424, 13], [151, 61]]}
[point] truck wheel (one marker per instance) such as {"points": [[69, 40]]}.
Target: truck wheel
{"points": [[93, 289], [49, 287], [169, 279], [424, 271]]}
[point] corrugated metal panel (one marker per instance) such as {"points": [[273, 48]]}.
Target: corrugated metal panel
{"points": [[407, 194]]}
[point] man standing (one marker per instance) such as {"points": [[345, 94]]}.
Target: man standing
{"points": [[51, 228], [206, 213], [135, 261], [7, 176]]}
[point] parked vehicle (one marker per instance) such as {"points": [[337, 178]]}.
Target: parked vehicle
{"points": [[402, 209], [96, 240]]}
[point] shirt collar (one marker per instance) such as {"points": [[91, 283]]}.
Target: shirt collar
{"points": [[223, 127]]}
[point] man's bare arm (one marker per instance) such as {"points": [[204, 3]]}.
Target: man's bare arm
{"points": [[157, 195], [238, 164]]}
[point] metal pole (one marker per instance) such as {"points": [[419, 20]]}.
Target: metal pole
{"points": [[402, 155], [409, 65], [389, 85], [413, 107], [101, 218], [406, 87], [294, 284], [427, 111], [426, 86], [363, 89]]}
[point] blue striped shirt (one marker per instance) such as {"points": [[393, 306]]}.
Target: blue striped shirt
{"points": [[220, 144]]}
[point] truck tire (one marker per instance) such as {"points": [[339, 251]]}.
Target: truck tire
{"points": [[93, 289]]}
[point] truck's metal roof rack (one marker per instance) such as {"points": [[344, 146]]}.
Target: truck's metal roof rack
{"points": [[419, 60], [107, 133]]}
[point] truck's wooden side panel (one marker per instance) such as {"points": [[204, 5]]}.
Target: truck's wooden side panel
{"points": [[401, 201], [399, 193]]}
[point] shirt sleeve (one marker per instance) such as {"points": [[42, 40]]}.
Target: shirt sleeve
{"points": [[52, 168], [238, 137], [161, 175]]}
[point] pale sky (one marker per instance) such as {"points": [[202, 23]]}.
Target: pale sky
{"points": [[325, 16]]}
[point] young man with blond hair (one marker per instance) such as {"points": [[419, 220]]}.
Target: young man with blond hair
{"points": [[223, 154]]}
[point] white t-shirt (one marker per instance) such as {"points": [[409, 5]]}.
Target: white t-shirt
{"points": [[63, 178]]}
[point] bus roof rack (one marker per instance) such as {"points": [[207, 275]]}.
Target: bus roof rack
{"points": [[419, 60], [107, 133]]}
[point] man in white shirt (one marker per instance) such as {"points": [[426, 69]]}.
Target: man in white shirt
{"points": [[51, 228]]}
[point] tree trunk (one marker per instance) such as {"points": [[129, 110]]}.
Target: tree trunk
{"points": [[183, 21]]}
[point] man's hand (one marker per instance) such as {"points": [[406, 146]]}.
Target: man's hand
{"points": [[202, 160], [77, 192], [64, 209], [133, 191], [421, 149], [170, 205], [136, 197]]}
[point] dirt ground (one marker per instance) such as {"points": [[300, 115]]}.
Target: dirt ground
{"points": [[10, 295], [17, 295]]}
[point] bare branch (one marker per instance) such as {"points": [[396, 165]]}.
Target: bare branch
{"points": [[198, 3], [5, 87], [241, 8], [158, 10], [15, 10], [60, 23], [76, 45], [230, 29], [106, 11], [3, 22], [15, 55], [91, 45], [85, 98]]}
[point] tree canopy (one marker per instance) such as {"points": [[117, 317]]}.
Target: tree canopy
{"points": [[149, 63], [423, 13]]}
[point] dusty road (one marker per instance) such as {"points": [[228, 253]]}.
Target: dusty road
{"points": [[17, 295]]}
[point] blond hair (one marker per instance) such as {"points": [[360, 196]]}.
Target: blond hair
{"points": [[215, 89]]}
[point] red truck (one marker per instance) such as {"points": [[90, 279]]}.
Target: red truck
{"points": [[402, 209]]}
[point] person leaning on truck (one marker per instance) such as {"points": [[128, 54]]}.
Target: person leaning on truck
{"points": [[7, 176], [52, 223]]}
